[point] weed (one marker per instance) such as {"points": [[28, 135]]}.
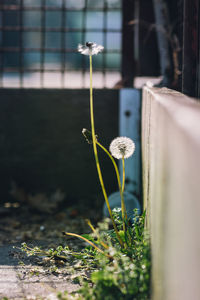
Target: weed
{"points": [[119, 275], [116, 263]]}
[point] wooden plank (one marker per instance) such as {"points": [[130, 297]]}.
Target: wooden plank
{"points": [[41, 144], [171, 164]]}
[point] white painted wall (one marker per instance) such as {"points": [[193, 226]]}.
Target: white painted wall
{"points": [[171, 186]]}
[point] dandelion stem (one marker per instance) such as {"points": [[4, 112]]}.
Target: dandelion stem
{"points": [[124, 214], [118, 178], [86, 240], [114, 164], [96, 155], [123, 186], [97, 234], [123, 176]]}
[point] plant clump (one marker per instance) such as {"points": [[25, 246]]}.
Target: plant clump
{"points": [[116, 263], [113, 274]]}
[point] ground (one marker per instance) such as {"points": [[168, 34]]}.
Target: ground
{"points": [[23, 277]]}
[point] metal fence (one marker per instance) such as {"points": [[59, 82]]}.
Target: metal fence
{"points": [[39, 38]]}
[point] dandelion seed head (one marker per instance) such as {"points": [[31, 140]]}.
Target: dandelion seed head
{"points": [[90, 48], [122, 147]]}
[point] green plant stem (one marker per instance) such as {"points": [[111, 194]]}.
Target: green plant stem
{"points": [[89, 242], [121, 188], [123, 174], [97, 234], [96, 155], [114, 164], [124, 214]]}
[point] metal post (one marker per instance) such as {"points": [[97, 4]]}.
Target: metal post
{"points": [[163, 32], [127, 43], [190, 48]]}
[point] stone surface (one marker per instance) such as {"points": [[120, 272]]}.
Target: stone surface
{"points": [[17, 282]]}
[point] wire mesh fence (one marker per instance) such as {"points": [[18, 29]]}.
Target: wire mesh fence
{"points": [[39, 38]]}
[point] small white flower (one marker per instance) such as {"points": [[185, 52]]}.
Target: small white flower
{"points": [[90, 48], [122, 147]]}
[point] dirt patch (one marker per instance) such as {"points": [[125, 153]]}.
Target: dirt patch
{"points": [[31, 277]]}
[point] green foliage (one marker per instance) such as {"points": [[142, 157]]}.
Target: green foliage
{"points": [[127, 275], [123, 273]]}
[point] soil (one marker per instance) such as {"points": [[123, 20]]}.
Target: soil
{"points": [[31, 277], [20, 223]]}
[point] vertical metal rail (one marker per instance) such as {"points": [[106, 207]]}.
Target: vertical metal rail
{"points": [[21, 52], [198, 54], [163, 28], [1, 52], [127, 43], [104, 41], [84, 41], [136, 37], [43, 36], [190, 48], [198, 70], [180, 41], [63, 43]]}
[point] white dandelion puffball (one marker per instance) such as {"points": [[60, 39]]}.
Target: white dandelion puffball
{"points": [[90, 48], [122, 147]]}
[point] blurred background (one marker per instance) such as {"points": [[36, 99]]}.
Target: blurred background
{"points": [[146, 38], [39, 38]]}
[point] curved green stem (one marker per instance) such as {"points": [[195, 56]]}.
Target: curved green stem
{"points": [[96, 155], [121, 187], [97, 234], [114, 164], [89, 242]]}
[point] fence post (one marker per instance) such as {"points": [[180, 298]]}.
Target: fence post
{"points": [[191, 45], [127, 43]]}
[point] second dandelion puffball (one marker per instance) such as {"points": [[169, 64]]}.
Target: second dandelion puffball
{"points": [[122, 147]]}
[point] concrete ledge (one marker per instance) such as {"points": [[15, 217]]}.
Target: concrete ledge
{"points": [[171, 187]]}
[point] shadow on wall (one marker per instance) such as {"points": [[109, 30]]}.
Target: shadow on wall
{"points": [[42, 148]]}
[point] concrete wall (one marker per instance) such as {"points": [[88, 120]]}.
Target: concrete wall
{"points": [[41, 144], [171, 186]]}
